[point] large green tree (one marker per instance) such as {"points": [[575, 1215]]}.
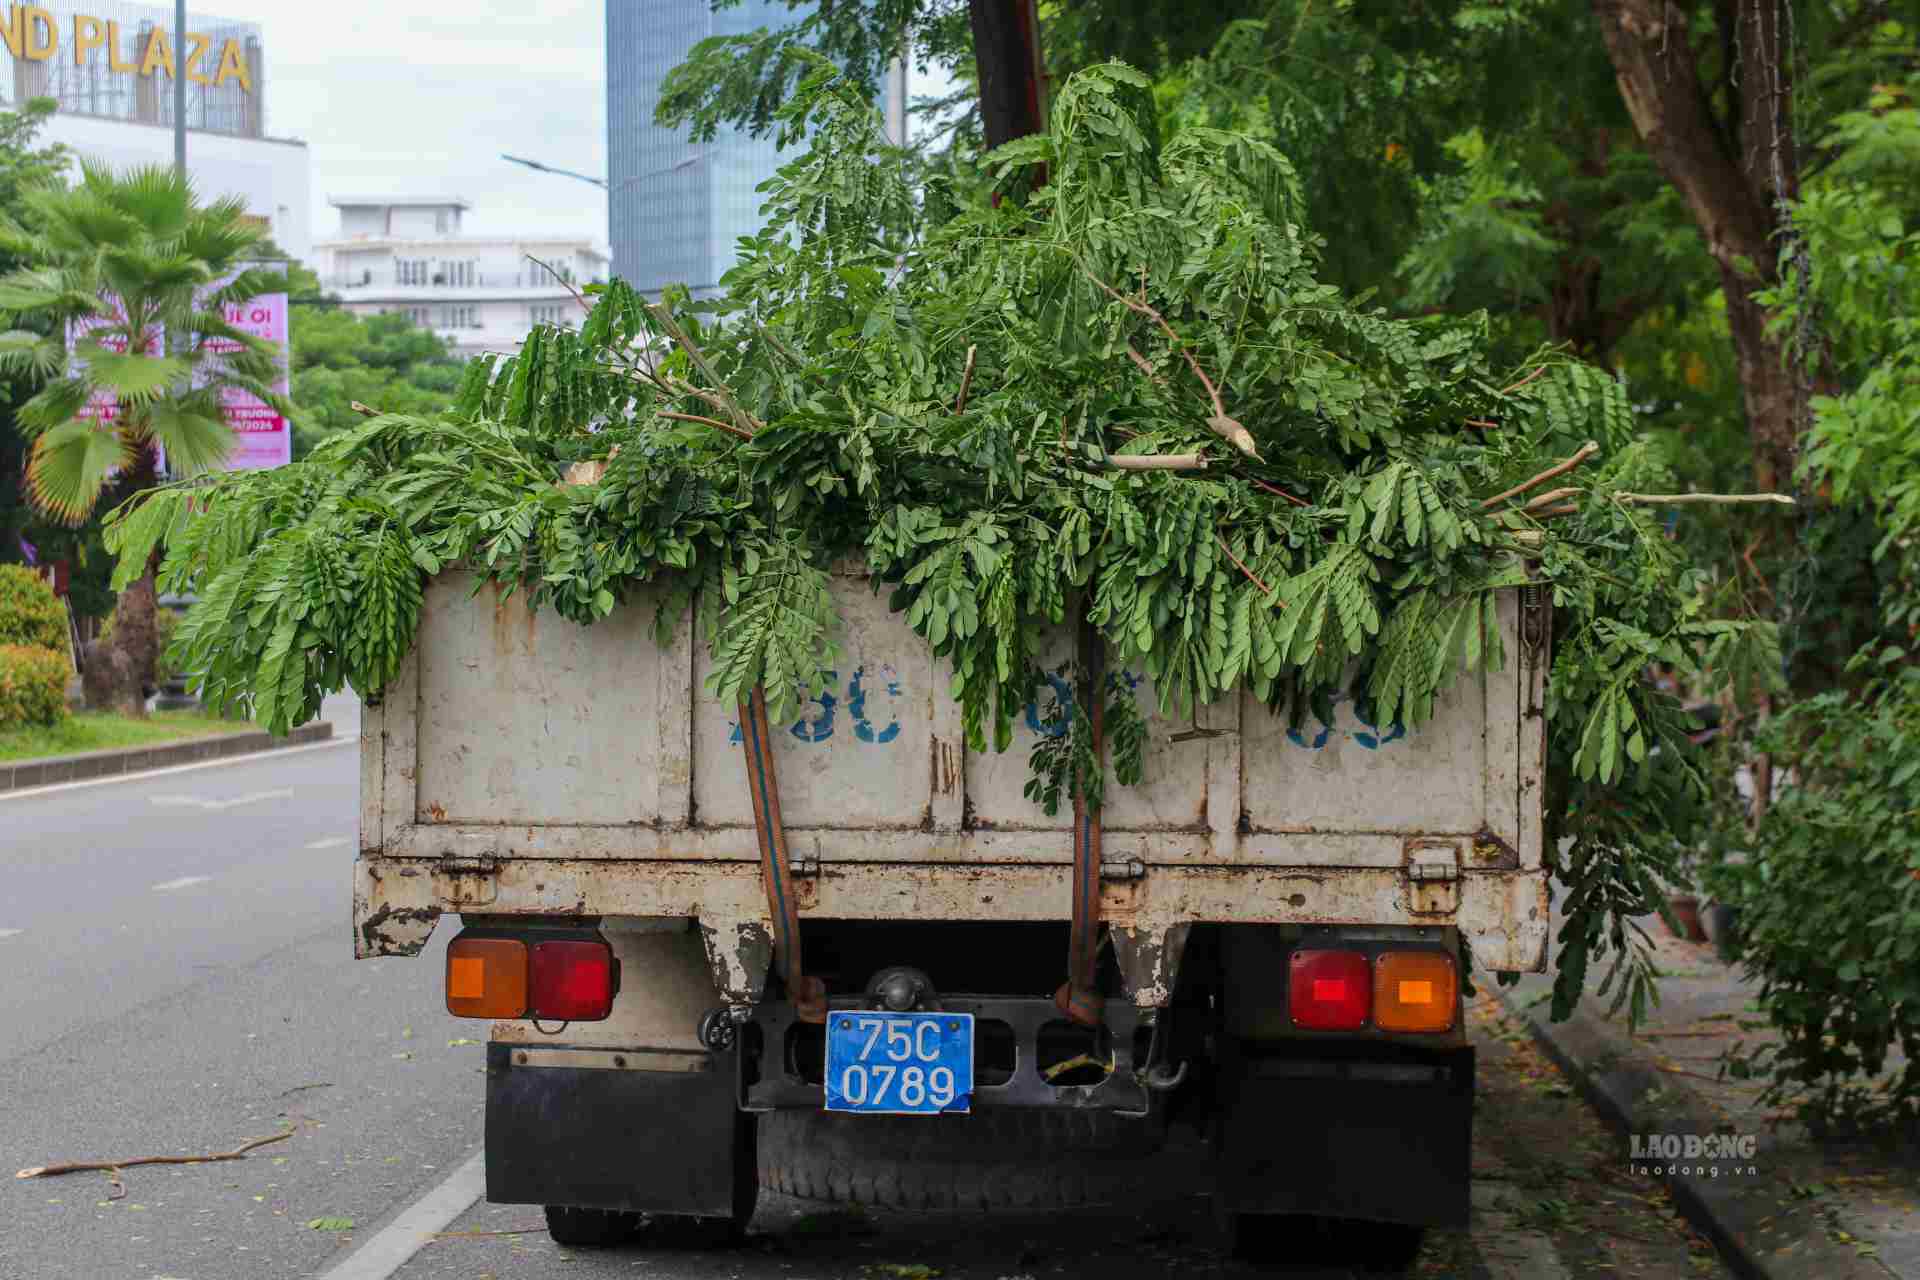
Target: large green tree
{"points": [[386, 362], [121, 315]]}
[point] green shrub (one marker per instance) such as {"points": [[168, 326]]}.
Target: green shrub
{"points": [[1830, 908], [165, 623], [33, 685], [29, 611]]}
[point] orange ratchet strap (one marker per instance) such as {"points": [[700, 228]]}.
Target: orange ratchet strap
{"points": [[809, 995]]}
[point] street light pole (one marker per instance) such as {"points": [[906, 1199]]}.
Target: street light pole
{"points": [[180, 88]]}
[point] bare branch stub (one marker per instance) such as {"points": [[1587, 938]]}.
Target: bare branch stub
{"points": [[709, 422], [1550, 497], [1587, 450], [577, 295], [966, 382], [1158, 461]]}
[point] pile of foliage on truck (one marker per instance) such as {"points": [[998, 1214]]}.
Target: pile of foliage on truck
{"points": [[1120, 398]]}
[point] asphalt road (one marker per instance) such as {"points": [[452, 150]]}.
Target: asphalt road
{"points": [[176, 977]]}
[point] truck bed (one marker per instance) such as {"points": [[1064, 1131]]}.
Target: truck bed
{"points": [[522, 764]]}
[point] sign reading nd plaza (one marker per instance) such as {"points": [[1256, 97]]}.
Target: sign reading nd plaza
{"points": [[34, 34]]}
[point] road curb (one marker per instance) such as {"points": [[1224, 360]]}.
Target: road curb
{"points": [[1744, 1218], [87, 765]]}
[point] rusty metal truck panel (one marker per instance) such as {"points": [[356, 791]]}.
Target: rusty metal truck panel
{"points": [[522, 764]]}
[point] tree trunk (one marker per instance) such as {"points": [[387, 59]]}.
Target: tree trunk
{"points": [[1006, 56], [1730, 176], [135, 631]]}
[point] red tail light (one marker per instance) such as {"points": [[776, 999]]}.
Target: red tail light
{"points": [[570, 981], [1329, 990]]}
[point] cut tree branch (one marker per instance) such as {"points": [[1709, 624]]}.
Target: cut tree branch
{"points": [[1703, 499], [1222, 423], [722, 403], [102, 1166], [664, 318], [710, 422], [1158, 461], [1252, 577], [577, 295], [1277, 491], [966, 382], [1548, 498], [1585, 451], [1507, 391]]}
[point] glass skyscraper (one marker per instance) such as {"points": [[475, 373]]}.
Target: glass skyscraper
{"points": [[675, 207]]}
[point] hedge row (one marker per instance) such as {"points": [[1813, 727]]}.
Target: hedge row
{"points": [[29, 611], [33, 685]]}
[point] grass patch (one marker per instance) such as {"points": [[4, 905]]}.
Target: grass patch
{"points": [[97, 731]]}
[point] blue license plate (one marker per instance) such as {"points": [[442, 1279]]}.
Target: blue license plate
{"points": [[899, 1063]]}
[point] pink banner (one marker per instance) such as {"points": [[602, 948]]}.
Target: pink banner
{"points": [[101, 406], [262, 437]]}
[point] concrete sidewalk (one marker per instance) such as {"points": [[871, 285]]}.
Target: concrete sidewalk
{"points": [[1796, 1207]]}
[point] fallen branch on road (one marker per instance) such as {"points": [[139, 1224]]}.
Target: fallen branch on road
{"points": [[114, 1166]]}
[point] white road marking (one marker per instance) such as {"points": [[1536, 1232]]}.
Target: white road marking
{"points": [[252, 797], [388, 1250], [331, 842], [27, 793], [11, 933], [168, 886]]}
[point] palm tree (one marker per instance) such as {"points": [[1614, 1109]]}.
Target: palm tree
{"points": [[133, 275]]}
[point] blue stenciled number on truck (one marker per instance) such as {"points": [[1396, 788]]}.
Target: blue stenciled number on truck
{"points": [[857, 704], [1372, 739], [819, 728], [1055, 725]]}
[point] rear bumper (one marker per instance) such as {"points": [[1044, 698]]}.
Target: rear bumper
{"points": [[397, 901]]}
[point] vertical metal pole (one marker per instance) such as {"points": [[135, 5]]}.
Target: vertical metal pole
{"points": [[180, 87]]}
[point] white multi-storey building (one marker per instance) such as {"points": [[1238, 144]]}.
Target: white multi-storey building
{"points": [[407, 254]]}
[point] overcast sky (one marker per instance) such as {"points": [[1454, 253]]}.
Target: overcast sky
{"points": [[420, 97]]}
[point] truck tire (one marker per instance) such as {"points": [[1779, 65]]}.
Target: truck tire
{"points": [[1016, 1158]]}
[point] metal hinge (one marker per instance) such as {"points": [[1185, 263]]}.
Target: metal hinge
{"points": [[1123, 869], [466, 882], [1433, 864], [1533, 617], [1433, 876]]}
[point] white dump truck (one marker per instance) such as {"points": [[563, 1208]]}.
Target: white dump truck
{"points": [[843, 937]]}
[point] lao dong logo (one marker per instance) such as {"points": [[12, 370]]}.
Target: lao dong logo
{"points": [[1706, 1154]]}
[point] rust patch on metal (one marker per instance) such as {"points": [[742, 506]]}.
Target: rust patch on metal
{"points": [[397, 931], [511, 614], [1490, 853]]}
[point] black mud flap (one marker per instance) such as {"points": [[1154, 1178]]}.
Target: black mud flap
{"points": [[664, 1142], [1373, 1132]]}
